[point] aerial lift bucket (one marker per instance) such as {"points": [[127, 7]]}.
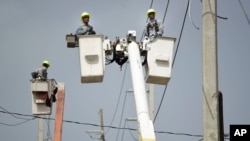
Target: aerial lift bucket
{"points": [[91, 58], [159, 60], [41, 91]]}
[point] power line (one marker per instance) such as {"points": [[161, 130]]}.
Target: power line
{"points": [[177, 47], [16, 124], [131, 133], [190, 17], [159, 107], [124, 102], [244, 12], [123, 131], [12, 114], [151, 4], [96, 125], [116, 107], [113, 127], [165, 13], [49, 135]]}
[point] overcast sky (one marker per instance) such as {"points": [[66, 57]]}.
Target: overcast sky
{"points": [[32, 30]]}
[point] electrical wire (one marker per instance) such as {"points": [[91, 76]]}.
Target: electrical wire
{"points": [[173, 63], [117, 104], [177, 47], [163, 20], [16, 124], [159, 107], [13, 115], [94, 138], [165, 13], [96, 125], [130, 132], [190, 17], [151, 4], [49, 135], [225, 138], [241, 5], [121, 118], [123, 131]]}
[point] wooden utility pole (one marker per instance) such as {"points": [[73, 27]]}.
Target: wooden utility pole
{"points": [[211, 105], [101, 124], [59, 113]]}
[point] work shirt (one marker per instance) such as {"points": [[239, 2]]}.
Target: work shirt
{"points": [[153, 28], [84, 30], [42, 72]]}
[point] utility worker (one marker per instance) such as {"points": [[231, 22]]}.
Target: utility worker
{"points": [[153, 28], [41, 74], [85, 29]]}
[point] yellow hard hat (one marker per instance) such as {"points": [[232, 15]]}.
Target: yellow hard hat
{"points": [[46, 62], [85, 14], [151, 11]]}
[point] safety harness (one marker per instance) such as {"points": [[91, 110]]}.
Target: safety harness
{"points": [[155, 25]]}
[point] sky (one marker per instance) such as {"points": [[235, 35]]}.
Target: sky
{"points": [[32, 31]]}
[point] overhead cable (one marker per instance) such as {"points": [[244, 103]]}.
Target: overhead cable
{"points": [[12, 114], [16, 124], [244, 11], [190, 17], [120, 93], [165, 13], [121, 118], [175, 54], [96, 125]]}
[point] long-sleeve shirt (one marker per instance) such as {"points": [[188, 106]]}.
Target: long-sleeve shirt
{"points": [[153, 28], [42, 72], [84, 29]]}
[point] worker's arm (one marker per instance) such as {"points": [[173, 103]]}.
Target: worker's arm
{"points": [[161, 27]]}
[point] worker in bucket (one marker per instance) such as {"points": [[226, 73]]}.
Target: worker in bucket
{"points": [[40, 74], [153, 28], [85, 29]]}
